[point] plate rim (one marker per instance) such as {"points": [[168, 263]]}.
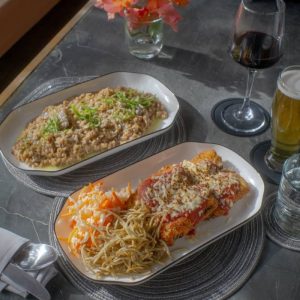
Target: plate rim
{"points": [[177, 260], [65, 170]]}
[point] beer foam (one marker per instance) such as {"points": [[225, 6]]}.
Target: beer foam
{"points": [[289, 83]]}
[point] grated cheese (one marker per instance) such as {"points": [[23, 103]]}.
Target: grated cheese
{"points": [[187, 185]]}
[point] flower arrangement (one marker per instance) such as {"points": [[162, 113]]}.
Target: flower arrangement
{"points": [[138, 11]]}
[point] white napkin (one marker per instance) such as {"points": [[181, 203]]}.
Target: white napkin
{"points": [[10, 244]]}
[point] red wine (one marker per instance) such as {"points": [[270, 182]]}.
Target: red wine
{"points": [[256, 50]]}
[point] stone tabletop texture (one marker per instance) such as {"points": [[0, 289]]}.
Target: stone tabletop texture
{"points": [[195, 65]]}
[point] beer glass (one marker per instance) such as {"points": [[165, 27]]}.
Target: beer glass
{"points": [[285, 119]]}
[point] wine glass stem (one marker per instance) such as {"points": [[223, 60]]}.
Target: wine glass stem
{"points": [[245, 111]]}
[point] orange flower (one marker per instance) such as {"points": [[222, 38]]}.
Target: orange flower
{"points": [[181, 2], [166, 11], [138, 11], [136, 16], [114, 6]]}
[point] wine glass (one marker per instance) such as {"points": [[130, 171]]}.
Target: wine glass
{"points": [[257, 44]]}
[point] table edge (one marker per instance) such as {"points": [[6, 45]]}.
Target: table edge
{"points": [[17, 81]]}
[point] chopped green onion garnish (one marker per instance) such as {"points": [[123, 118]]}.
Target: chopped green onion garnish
{"points": [[52, 126], [134, 101], [87, 114]]}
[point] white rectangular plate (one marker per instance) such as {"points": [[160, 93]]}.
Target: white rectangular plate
{"points": [[206, 232], [16, 121]]}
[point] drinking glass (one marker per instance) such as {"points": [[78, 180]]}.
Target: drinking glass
{"points": [[257, 44], [287, 206], [285, 119], [144, 39]]}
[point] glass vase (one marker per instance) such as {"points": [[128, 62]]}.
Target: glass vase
{"points": [[144, 39]]}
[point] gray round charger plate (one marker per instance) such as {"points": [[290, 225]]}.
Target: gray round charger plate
{"points": [[273, 230], [189, 124], [214, 272]]}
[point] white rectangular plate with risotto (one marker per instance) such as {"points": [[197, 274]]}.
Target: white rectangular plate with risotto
{"points": [[206, 231], [16, 121]]}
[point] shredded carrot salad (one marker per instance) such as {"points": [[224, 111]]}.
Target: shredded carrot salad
{"points": [[114, 233]]}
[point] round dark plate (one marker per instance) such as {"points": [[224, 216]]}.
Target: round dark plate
{"points": [[218, 109], [257, 155]]}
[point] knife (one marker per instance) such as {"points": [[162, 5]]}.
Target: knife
{"points": [[25, 281]]}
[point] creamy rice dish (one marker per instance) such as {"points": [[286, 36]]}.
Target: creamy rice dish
{"points": [[85, 125]]}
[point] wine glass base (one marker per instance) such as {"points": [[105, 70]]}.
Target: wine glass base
{"points": [[257, 155], [255, 126]]}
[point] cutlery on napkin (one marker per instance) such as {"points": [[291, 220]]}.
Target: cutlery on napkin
{"points": [[15, 279]]}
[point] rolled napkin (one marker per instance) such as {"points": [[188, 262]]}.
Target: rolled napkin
{"points": [[15, 279]]}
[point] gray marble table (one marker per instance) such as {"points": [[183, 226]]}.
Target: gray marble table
{"points": [[195, 65]]}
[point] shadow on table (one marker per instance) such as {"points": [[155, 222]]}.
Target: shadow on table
{"points": [[194, 124], [208, 69]]}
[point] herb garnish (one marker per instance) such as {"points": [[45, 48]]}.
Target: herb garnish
{"points": [[131, 103], [52, 126], [134, 101], [87, 114]]}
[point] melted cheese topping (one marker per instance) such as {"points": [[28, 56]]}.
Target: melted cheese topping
{"points": [[187, 185]]}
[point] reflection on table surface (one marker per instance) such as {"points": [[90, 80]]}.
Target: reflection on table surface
{"points": [[196, 66]]}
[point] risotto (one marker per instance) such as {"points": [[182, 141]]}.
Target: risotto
{"points": [[87, 124]]}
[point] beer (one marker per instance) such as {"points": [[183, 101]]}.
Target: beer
{"points": [[285, 118]]}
